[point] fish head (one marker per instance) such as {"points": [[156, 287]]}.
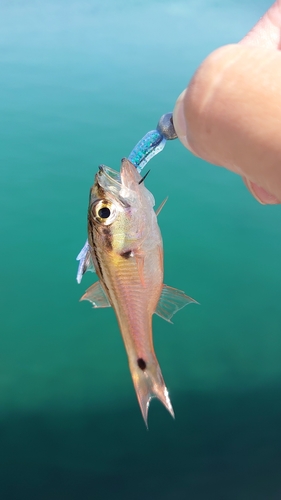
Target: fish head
{"points": [[120, 208]]}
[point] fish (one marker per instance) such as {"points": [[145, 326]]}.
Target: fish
{"points": [[125, 249]]}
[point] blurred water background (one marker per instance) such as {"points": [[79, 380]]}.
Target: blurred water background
{"points": [[81, 82]]}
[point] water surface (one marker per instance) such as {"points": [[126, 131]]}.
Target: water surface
{"points": [[81, 82]]}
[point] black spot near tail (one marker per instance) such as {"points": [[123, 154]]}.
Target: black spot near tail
{"points": [[141, 364]]}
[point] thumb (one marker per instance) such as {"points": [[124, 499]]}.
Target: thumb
{"points": [[230, 115]]}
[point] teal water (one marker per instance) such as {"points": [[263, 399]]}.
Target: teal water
{"points": [[81, 83]]}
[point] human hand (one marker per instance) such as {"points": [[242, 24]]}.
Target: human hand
{"points": [[230, 113]]}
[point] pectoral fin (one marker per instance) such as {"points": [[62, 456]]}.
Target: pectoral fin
{"points": [[85, 262], [96, 295], [171, 301]]}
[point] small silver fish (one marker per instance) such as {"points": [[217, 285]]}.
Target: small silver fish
{"points": [[126, 250]]}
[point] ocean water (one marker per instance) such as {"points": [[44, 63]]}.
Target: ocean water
{"points": [[80, 83]]}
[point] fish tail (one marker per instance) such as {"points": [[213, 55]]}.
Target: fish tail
{"points": [[149, 383]]}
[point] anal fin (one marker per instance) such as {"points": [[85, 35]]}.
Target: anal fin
{"points": [[96, 295], [171, 301]]}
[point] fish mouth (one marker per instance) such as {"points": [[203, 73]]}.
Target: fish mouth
{"points": [[122, 185], [110, 174], [109, 180]]}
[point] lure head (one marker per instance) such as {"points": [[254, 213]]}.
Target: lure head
{"points": [[121, 213]]}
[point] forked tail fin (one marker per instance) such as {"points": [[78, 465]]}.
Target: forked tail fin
{"points": [[149, 383]]}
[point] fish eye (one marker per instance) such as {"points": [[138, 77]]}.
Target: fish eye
{"points": [[104, 212]]}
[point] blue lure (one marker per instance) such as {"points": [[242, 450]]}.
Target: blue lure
{"points": [[153, 142], [150, 145]]}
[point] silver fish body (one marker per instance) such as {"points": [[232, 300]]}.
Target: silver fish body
{"points": [[125, 247]]}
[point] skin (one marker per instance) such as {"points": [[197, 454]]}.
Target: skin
{"points": [[230, 113]]}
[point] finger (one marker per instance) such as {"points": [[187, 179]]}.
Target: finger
{"points": [[266, 33], [230, 115], [261, 195]]}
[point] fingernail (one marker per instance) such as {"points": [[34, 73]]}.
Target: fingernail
{"points": [[179, 120], [261, 195]]}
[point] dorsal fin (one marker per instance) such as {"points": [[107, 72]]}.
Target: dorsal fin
{"points": [[161, 206]]}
